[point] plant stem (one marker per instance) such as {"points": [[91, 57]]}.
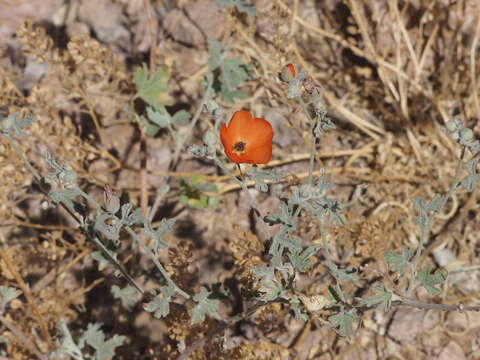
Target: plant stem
{"points": [[179, 147], [156, 262], [425, 228], [22, 338], [251, 200], [22, 156], [313, 147], [433, 306]]}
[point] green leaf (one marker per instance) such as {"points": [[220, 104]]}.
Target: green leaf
{"points": [[260, 178], [166, 226], [344, 321], [67, 344], [150, 129], [398, 262], [128, 295], [430, 280], [232, 72], [160, 306], [342, 275], [204, 307], [241, 6], [192, 192], [302, 262], [153, 90], [181, 117], [11, 122], [104, 349], [336, 294], [295, 305], [473, 177], [383, 298], [159, 117], [216, 51], [7, 294], [229, 96], [103, 262]]}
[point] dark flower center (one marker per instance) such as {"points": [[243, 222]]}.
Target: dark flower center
{"points": [[239, 146]]}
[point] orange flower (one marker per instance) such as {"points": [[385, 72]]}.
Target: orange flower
{"points": [[288, 73], [247, 140], [292, 69]]}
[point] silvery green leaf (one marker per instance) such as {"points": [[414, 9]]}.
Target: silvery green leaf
{"points": [[336, 294], [260, 178], [108, 225], [160, 307], [241, 6], [435, 204], [473, 177], [301, 261], [159, 117], [294, 88], [322, 123], [62, 173], [67, 344], [181, 117], [429, 281], [295, 305], [342, 275], [152, 88], [104, 349], [216, 51], [344, 321], [166, 226], [204, 307], [383, 298], [286, 217], [398, 263], [102, 261], [265, 273], [7, 294], [128, 295], [11, 122], [270, 293], [150, 129]]}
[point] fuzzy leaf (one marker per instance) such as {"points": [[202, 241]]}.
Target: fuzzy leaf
{"points": [[241, 6], [181, 117], [204, 307], [11, 122], [383, 298], [166, 226], [7, 294], [104, 349], [429, 280], [473, 177], [342, 275], [159, 117], [152, 90], [128, 295], [67, 344], [398, 263], [160, 306], [336, 294], [344, 321], [260, 178], [232, 72], [295, 305], [301, 261]]}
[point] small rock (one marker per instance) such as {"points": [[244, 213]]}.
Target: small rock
{"points": [[452, 351]]}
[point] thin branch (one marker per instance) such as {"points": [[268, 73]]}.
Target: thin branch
{"points": [[22, 338]]}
